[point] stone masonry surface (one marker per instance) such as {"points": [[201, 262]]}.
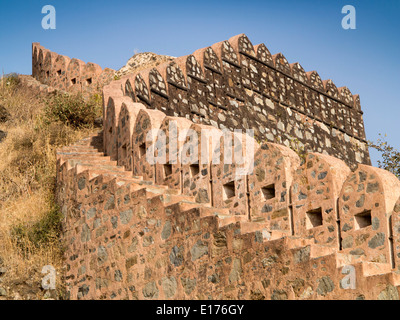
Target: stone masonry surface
{"points": [[295, 227], [235, 85], [65, 74]]}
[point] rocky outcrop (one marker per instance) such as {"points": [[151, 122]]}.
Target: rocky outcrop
{"points": [[141, 61]]}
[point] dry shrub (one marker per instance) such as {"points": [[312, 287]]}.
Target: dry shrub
{"points": [[72, 110], [29, 217]]}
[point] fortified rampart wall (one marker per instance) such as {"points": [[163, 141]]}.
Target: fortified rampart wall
{"points": [[66, 74], [235, 85], [287, 230]]}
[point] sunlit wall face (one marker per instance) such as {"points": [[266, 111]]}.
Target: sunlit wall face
{"points": [[364, 59]]}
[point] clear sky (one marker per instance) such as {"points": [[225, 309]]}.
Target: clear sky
{"points": [[366, 59]]}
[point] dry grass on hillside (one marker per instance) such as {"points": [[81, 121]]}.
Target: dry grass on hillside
{"points": [[36, 125]]}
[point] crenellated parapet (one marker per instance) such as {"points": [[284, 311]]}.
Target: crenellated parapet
{"points": [[202, 226], [273, 188], [171, 202], [235, 85], [65, 74]]}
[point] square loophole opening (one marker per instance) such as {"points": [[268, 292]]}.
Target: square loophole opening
{"points": [[229, 190], [59, 72], [314, 218], [142, 150], [124, 151], [47, 74], [268, 192], [363, 220], [89, 81], [73, 81], [167, 169], [194, 170]]}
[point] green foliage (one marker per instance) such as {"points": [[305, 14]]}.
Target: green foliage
{"points": [[390, 157], [73, 110]]}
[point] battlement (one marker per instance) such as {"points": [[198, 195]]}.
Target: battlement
{"points": [[235, 85], [166, 203], [66, 74], [200, 230]]}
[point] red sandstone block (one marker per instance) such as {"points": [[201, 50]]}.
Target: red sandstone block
{"points": [[142, 88], [144, 135], [126, 124], [196, 158], [41, 66], [175, 79], [316, 187], [35, 59], [105, 77], [74, 72], [395, 230], [231, 69], [269, 186], [128, 87], [49, 71], [114, 89], [90, 78], [367, 198], [60, 71], [232, 162], [168, 146], [111, 125], [212, 68]]}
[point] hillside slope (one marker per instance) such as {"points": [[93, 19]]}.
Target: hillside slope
{"points": [[33, 124]]}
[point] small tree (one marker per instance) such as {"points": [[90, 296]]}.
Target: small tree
{"points": [[390, 156]]}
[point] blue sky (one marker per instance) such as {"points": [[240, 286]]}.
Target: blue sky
{"points": [[309, 32]]}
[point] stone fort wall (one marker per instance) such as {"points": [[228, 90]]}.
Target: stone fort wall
{"points": [[287, 230], [235, 85], [312, 227], [63, 73]]}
